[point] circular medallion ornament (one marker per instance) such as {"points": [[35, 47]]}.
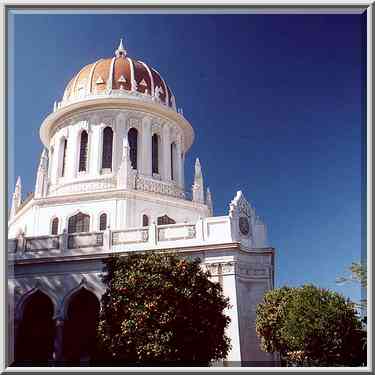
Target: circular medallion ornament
{"points": [[244, 225]]}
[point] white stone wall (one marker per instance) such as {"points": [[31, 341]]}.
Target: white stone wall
{"points": [[121, 121], [244, 276], [121, 213]]}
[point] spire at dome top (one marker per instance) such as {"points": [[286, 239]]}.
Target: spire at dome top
{"points": [[120, 51]]}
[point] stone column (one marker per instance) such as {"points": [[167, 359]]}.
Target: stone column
{"points": [[13, 339], [152, 234], [55, 162], [146, 133], [52, 167], [64, 241], [179, 163], [107, 236], [119, 134], [58, 341], [72, 156], [183, 171], [166, 150], [95, 149]]}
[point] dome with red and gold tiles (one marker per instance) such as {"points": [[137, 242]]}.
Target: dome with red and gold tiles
{"points": [[119, 74]]}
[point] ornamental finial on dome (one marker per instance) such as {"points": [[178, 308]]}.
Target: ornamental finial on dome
{"points": [[120, 51]]}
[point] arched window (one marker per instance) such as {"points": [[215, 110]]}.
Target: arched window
{"points": [[79, 223], [64, 145], [83, 152], [163, 220], [173, 161], [107, 148], [103, 222], [55, 226], [155, 153], [145, 220], [133, 145]]}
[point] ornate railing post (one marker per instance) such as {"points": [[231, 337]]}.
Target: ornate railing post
{"points": [[153, 236], [199, 229], [64, 241], [21, 243], [107, 239]]}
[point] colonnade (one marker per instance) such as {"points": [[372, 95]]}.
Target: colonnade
{"points": [[64, 157], [42, 338]]}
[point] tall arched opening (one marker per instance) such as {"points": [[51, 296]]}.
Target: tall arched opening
{"points": [[34, 341], [80, 327]]}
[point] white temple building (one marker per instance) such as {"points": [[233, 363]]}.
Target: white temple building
{"points": [[111, 180]]}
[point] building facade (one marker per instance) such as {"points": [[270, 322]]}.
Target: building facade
{"points": [[111, 180]]}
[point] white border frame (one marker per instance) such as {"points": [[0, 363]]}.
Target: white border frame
{"points": [[273, 7]]}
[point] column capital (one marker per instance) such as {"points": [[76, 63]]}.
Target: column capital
{"points": [[59, 322], [146, 119]]}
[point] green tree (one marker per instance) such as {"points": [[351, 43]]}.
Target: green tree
{"points": [[310, 326], [358, 275], [159, 308]]}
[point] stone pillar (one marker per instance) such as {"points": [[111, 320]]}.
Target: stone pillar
{"points": [[183, 171], [107, 236], [146, 133], [13, 339], [64, 241], [179, 164], [95, 150], [58, 341], [152, 234], [21, 242], [119, 134], [199, 229], [166, 150], [72, 156], [54, 163]]}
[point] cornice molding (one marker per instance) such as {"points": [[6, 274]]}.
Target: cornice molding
{"points": [[85, 107]]}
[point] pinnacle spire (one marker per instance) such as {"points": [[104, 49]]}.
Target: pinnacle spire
{"points": [[198, 186], [16, 198], [198, 169], [120, 51], [43, 159], [18, 182]]}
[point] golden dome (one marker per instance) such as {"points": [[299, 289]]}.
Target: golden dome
{"points": [[116, 74]]}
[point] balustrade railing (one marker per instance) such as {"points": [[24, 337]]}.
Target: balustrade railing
{"points": [[12, 245], [209, 229], [157, 186], [42, 243], [119, 93]]}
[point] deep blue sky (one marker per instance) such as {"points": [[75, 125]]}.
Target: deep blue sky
{"points": [[275, 102]]}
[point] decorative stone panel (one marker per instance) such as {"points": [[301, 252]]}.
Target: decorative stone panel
{"points": [[176, 233], [160, 187], [12, 245], [76, 241], [42, 243], [83, 187], [129, 236]]}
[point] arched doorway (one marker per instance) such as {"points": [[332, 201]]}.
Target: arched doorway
{"points": [[34, 342], [80, 327]]}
